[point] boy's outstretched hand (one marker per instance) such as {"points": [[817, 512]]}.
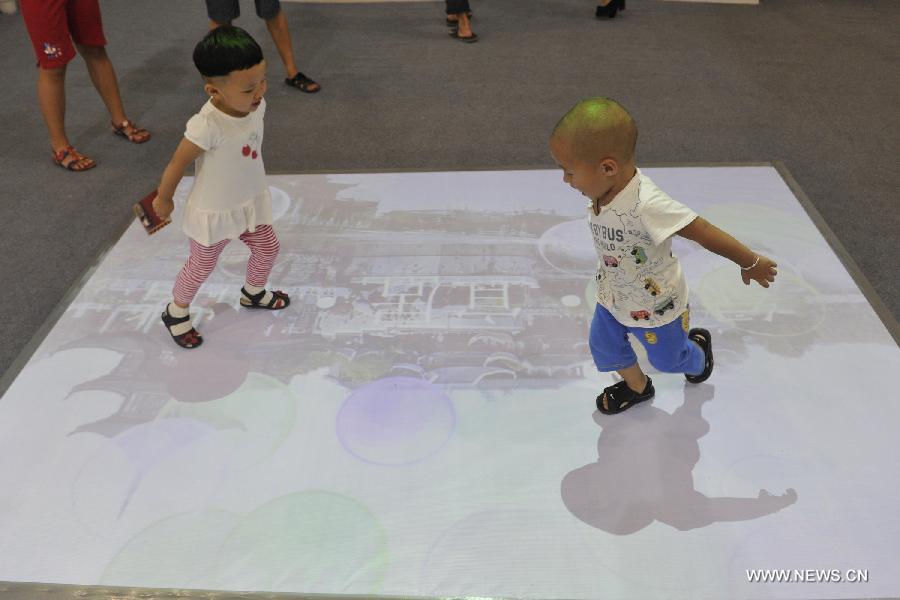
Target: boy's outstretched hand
{"points": [[763, 272]]}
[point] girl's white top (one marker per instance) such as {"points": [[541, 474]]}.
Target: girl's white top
{"points": [[229, 195]]}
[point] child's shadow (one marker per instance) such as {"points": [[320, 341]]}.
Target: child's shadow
{"points": [[644, 473]]}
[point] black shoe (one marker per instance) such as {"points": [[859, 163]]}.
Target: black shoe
{"points": [[620, 397], [608, 11], [704, 340]]}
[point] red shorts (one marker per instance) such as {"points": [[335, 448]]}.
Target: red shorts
{"points": [[54, 24]]}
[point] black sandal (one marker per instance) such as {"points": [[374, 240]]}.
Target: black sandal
{"points": [[255, 301], [469, 39], [189, 339], [620, 397], [609, 11], [704, 340], [302, 83]]}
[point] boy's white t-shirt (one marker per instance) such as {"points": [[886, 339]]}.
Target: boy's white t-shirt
{"points": [[229, 195], [639, 280]]}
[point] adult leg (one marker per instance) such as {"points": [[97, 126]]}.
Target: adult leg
{"points": [[464, 27], [222, 12], [51, 90], [86, 25], [453, 19], [460, 10], [48, 28], [103, 76], [281, 35], [455, 7], [277, 24]]}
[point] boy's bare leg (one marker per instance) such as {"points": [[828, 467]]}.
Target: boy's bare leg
{"points": [[104, 79], [51, 89], [214, 24], [634, 378]]}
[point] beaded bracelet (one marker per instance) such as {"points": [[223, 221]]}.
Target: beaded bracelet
{"points": [[756, 262]]}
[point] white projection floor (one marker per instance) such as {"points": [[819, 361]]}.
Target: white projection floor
{"points": [[421, 420]]}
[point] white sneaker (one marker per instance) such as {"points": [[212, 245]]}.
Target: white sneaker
{"points": [[8, 7]]}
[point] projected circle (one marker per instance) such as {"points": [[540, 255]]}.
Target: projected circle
{"points": [[395, 421], [502, 545], [251, 422], [590, 295], [567, 247], [312, 540], [325, 302], [281, 202], [570, 301], [175, 552], [789, 307]]}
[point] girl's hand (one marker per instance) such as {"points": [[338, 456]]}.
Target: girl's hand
{"points": [[163, 207], [763, 272]]}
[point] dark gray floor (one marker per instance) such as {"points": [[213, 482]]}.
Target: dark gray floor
{"points": [[811, 83]]}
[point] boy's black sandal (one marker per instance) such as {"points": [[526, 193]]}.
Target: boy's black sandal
{"points": [[189, 339], [255, 300], [303, 83], [704, 340], [620, 397]]}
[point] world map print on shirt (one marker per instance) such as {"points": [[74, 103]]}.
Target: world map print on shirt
{"points": [[639, 280]]}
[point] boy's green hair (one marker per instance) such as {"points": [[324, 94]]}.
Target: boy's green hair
{"points": [[597, 128], [226, 49]]}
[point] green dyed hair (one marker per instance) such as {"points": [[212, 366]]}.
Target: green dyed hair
{"points": [[226, 49], [597, 128]]}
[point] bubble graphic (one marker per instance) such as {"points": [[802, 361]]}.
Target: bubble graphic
{"points": [[396, 421], [567, 247]]}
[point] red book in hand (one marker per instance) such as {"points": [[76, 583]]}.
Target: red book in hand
{"points": [[144, 212]]}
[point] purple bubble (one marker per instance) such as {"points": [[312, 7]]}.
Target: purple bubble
{"points": [[396, 421]]}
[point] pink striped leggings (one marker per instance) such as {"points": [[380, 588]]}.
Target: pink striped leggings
{"points": [[263, 249]]}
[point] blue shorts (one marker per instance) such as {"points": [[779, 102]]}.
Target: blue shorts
{"points": [[668, 347]]}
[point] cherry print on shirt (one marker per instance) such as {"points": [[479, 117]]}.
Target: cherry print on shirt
{"points": [[245, 150], [254, 155]]}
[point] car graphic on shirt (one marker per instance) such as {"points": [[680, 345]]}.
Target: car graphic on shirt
{"points": [[652, 287], [661, 307], [640, 314], [639, 255], [610, 261]]}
